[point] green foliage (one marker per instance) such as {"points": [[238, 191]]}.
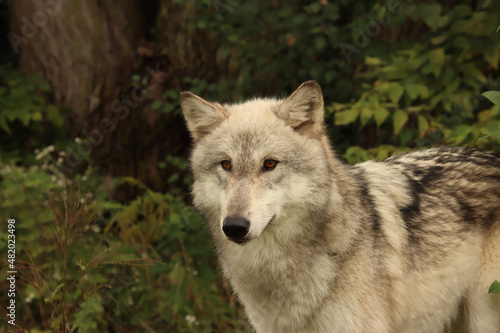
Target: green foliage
{"points": [[425, 91], [27, 118], [493, 96], [51, 222], [494, 288], [180, 164], [168, 103]]}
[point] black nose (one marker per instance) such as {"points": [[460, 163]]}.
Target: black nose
{"points": [[235, 227]]}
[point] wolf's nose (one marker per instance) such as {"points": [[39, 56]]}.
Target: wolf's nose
{"points": [[235, 227]]}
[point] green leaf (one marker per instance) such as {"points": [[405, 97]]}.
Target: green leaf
{"points": [[494, 288], [156, 105], [399, 119], [314, 7], [202, 24], [355, 154], [346, 117], [439, 39], [492, 55], [437, 57], [460, 134], [24, 117], [461, 42], [381, 115], [54, 115], [462, 10], [412, 89], [36, 116], [168, 107], [493, 96], [405, 136], [430, 14], [395, 91], [415, 89], [366, 114], [461, 26], [320, 43], [372, 61], [423, 91], [423, 125], [416, 62], [173, 178], [4, 126]]}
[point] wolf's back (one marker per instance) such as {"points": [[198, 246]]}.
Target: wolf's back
{"points": [[465, 181]]}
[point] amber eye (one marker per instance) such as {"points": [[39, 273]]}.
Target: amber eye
{"points": [[270, 165], [226, 165]]}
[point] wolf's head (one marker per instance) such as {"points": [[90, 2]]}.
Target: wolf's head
{"points": [[260, 164]]}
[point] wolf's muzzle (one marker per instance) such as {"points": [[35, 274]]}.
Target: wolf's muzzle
{"points": [[236, 228]]}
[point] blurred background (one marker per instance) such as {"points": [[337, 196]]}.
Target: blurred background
{"points": [[93, 158]]}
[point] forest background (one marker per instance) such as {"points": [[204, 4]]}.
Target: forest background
{"points": [[94, 177]]}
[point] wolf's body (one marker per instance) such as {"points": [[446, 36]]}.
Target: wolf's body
{"points": [[410, 244]]}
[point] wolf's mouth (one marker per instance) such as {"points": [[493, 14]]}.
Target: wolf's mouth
{"points": [[239, 241], [271, 221]]}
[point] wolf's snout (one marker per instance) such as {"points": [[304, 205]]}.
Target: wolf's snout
{"points": [[235, 227]]}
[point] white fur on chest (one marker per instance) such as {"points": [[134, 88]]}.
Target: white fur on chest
{"points": [[280, 292]]}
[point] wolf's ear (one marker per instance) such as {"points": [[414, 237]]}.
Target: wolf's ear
{"points": [[201, 116], [303, 110]]}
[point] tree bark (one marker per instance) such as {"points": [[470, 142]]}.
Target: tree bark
{"points": [[84, 49]]}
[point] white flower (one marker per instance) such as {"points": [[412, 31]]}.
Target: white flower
{"points": [[190, 319], [78, 140], [29, 298]]}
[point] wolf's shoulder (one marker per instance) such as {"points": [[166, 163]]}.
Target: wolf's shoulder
{"points": [[441, 167], [447, 156]]}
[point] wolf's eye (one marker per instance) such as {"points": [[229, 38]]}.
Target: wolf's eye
{"points": [[270, 165], [226, 165]]}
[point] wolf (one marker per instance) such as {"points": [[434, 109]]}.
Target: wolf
{"points": [[312, 244]]}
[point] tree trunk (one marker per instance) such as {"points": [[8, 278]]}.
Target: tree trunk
{"points": [[85, 49]]}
